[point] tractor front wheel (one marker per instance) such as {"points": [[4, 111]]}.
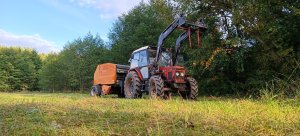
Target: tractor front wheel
{"points": [[156, 85], [192, 89], [132, 87]]}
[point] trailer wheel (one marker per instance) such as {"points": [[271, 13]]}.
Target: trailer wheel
{"points": [[192, 92], [156, 85], [132, 87], [95, 91]]}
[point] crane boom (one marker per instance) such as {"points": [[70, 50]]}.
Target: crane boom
{"points": [[182, 24], [164, 35]]}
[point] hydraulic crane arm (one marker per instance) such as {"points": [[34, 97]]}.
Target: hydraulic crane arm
{"points": [[163, 36], [181, 24], [197, 27], [179, 42]]}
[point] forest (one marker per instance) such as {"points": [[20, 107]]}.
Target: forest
{"points": [[249, 47]]}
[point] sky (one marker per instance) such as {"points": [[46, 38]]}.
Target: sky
{"points": [[47, 25]]}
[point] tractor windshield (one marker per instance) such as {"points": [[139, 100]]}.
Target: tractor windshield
{"points": [[180, 61], [164, 60]]}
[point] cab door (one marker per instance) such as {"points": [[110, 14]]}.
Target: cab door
{"points": [[134, 60], [143, 64]]}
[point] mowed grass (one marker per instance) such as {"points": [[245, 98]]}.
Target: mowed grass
{"points": [[79, 114]]}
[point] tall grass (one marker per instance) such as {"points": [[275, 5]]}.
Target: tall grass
{"points": [[79, 114], [283, 86], [278, 89]]}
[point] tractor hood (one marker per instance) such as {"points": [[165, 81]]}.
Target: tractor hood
{"points": [[174, 73]]}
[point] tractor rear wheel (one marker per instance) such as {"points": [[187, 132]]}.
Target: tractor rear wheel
{"points": [[192, 89], [95, 91], [132, 87], [156, 85]]}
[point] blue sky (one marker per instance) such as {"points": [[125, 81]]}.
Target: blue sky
{"points": [[47, 25]]}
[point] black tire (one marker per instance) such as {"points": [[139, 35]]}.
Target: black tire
{"points": [[95, 91], [132, 86], [192, 91], [156, 85]]}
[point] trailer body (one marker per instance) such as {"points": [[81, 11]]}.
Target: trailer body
{"points": [[109, 79]]}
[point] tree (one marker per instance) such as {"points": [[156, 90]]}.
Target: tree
{"points": [[257, 38], [140, 27], [74, 66], [19, 69]]}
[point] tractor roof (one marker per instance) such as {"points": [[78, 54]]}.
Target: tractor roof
{"points": [[140, 49], [147, 47]]}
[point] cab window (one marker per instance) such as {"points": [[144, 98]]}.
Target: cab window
{"points": [[136, 56], [143, 60]]}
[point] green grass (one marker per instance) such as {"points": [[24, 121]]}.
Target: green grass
{"points": [[79, 114]]}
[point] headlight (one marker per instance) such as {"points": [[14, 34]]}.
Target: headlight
{"points": [[181, 74], [177, 74]]}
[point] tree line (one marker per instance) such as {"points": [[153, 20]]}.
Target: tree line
{"points": [[19, 69], [248, 46]]}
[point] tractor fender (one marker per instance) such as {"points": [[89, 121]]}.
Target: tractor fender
{"points": [[138, 73]]}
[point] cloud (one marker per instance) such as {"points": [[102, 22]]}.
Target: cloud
{"points": [[109, 9], [28, 41]]}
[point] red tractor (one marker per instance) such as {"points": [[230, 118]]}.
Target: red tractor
{"points": [[155, 71]]}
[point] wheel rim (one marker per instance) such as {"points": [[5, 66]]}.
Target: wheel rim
{"points": [[131, 86]]}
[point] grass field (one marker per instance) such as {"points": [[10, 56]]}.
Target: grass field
{"points": [[79, 114]]}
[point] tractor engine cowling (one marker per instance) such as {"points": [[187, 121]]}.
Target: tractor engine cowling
{"points": [[174, 74]]}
